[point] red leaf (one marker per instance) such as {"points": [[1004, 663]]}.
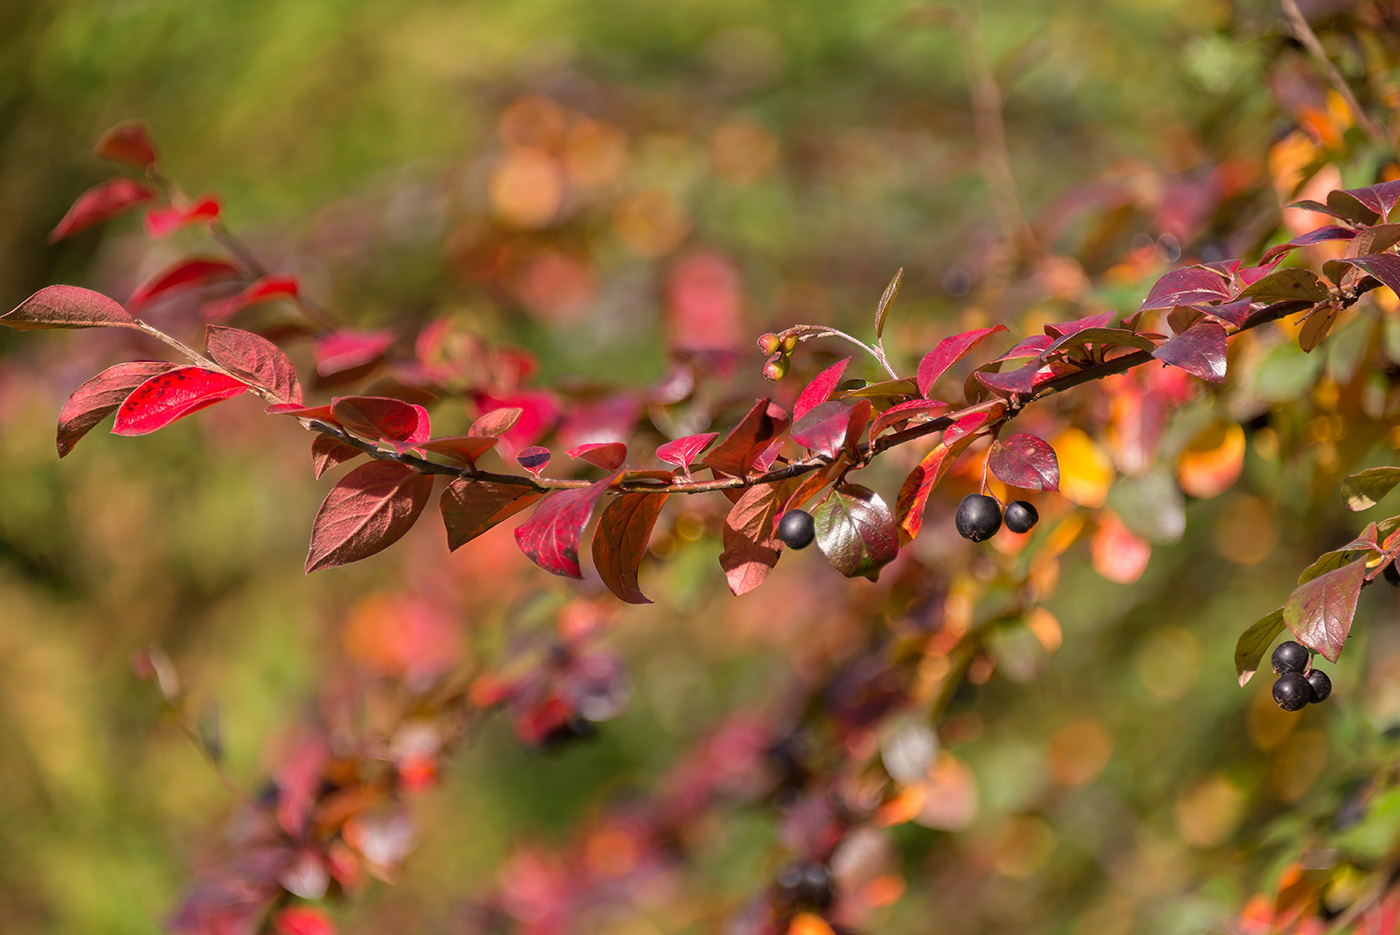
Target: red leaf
{"points": [[66, 307], [1320, 611], [162, 222], [1380, 198], [538, 412], [1286, 284], [172, 395], [347, 349], [129, 143], [298, 781], [856, 531], [464, 448], [383, 417], [903, 412], [99, 397], [1014, 382], [1185, 287], [819, 390], [1024, 460], [1199, 350], [606, 455], [327, 452], [620, 541], [824, 429], [100, 204], [751, 549], [1321, 235], [948, 352], [1234, 313], [366, 512], [1383, 266], [255, 359], [320, 413], [302, 920], [533, 459], [470, 508], [1033, 346], [914, 492], [1061, 329], [747, 440], [495, 423], [186, 274], [551, 536], [682, 451], [266, 289]]}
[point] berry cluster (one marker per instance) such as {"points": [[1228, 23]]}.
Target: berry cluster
{"points": [[980, 516], [1299, 684], [779, 348], [804, 887]]}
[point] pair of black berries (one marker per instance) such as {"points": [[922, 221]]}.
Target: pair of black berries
{"points": [[1298, 683], [980, 516]]}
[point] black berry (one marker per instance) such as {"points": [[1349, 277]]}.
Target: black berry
{"points": [[1021, 516], [804, 886], [1292, 692], [797, 529], [1321, 685], [979, 517], [1291, 657], [1391, 574]]}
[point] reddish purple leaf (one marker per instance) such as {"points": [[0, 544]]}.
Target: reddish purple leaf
{"points": [[751, 549], [606, 455], [538, 412], [903, 412], [100, 204], [747, 440], [824, 429], [129, 143], [1186, 287], [254, 358], [1232, 313], [914, 493], [1320, 235], [470, 508], [948, 352], [383, 417], [856, 531], [1383, 266], [550, 537], [1103, 337], [1024, 460], [533, 459], [366, 512], [1014, 382], [348, 349], [320, 413], [495, 423], [1100, 320], [1033, 346], [267, 289], [327, 452], [1320, 612], [1380, 198], [819, 390], [464, 448], [682, 451], [1199, 350], [99, 397], [186, 274], [620, 541], [172, 395], [164, 221], [66, 307]]}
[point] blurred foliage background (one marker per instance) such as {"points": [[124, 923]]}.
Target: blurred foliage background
{"points": [[601, 182]]}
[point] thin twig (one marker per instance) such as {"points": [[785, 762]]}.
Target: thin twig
{"points": [[1303, 32]]}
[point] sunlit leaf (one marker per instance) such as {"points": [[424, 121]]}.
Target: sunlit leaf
{"points": [[99, 397], [948, 352], [470, 508], [819, 390], [550, 537], [1320, 612], [856, 531], [172, 395], [327, 452], [1364, 489], [606, 455], [747, 440], [100, 204], [1254, 642], [66, 307], [179, 276], [682, 451], [128, 143], [1186, 287], [367, 511], [1025, 460], [620, 541], [1199, 350], [254, 358]]}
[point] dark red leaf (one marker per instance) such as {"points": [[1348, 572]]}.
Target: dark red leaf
{"points": [[1186, 287], [377, 417], [1013, 382], [948, 352], [255, 359], [162, 222], [470, 508], [903, 412], [172, 395], [856, 531], [129, 143], [366, 512], [914, 493], [100, 204], [348, 349], [1024, 460], [1033, 346], [682, 451], [66, 307], [267, 289], [550, 537], [495, 423], [819, 390], [747, 440], [1320, 612], [1320, 235], [1199, 350], [1291, 283], [327, 452], [1233, 313], [1099, 320], [751, 549], [620, 541], [464, 448], [1380, 198], [606, 455], [186, 274], [99, 397], [533, 459], [320, 413], [823, 429], [1383, 266], [1103, 337]]}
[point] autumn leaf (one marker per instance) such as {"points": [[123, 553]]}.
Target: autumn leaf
{"points": [[255, 359], [856, 531], [471, 507], [1253, 642], [99, 397], [819, 390], [366, 512], [948, 352], [186, 274], [100, 204], [172, 395], [66, 307], [550, 538], [1320, 611], [1025, 460], [620, 541]]}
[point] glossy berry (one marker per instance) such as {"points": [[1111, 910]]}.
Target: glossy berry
{"points": [[1391, 575], [769, 343], [776, 368], [1292, 692], [1291, 657], [1321, 685], [979, 517], [1021, 516], [797, 529]]}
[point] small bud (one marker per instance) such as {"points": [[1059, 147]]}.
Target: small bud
{"points": [[769, 343], [776, 368]]}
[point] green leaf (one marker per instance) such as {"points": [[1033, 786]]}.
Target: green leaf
{"points": [[856, 531], [1253, 643], [1320, 612], [1364, 489], [1291, 283], [883, 308]]}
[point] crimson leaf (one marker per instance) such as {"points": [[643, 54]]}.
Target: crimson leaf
{"points": [[903, 412], [382, 417], [948, 352], [172, 395], [823, 430], [551, 535], [1320, 612], [99, 397], [606, 455], [856, 531], [620, 541], [66, 307], [1024, 460], [266, 289], [464, 448], [254, 358], [327, 452], [682, 451], [100, 204], [162, 222], [129, 143], [186, 274], [470, 508], [1185, 287], [747, 440], [819, 390], [366, 512], [914, 493], [1199, 350], [346, 349]]}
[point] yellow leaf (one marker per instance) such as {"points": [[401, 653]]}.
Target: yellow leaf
{"points": [[1212, 462], [1085, 469]]}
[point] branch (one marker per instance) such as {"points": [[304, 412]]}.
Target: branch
{"points": [[1304, 34]]}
